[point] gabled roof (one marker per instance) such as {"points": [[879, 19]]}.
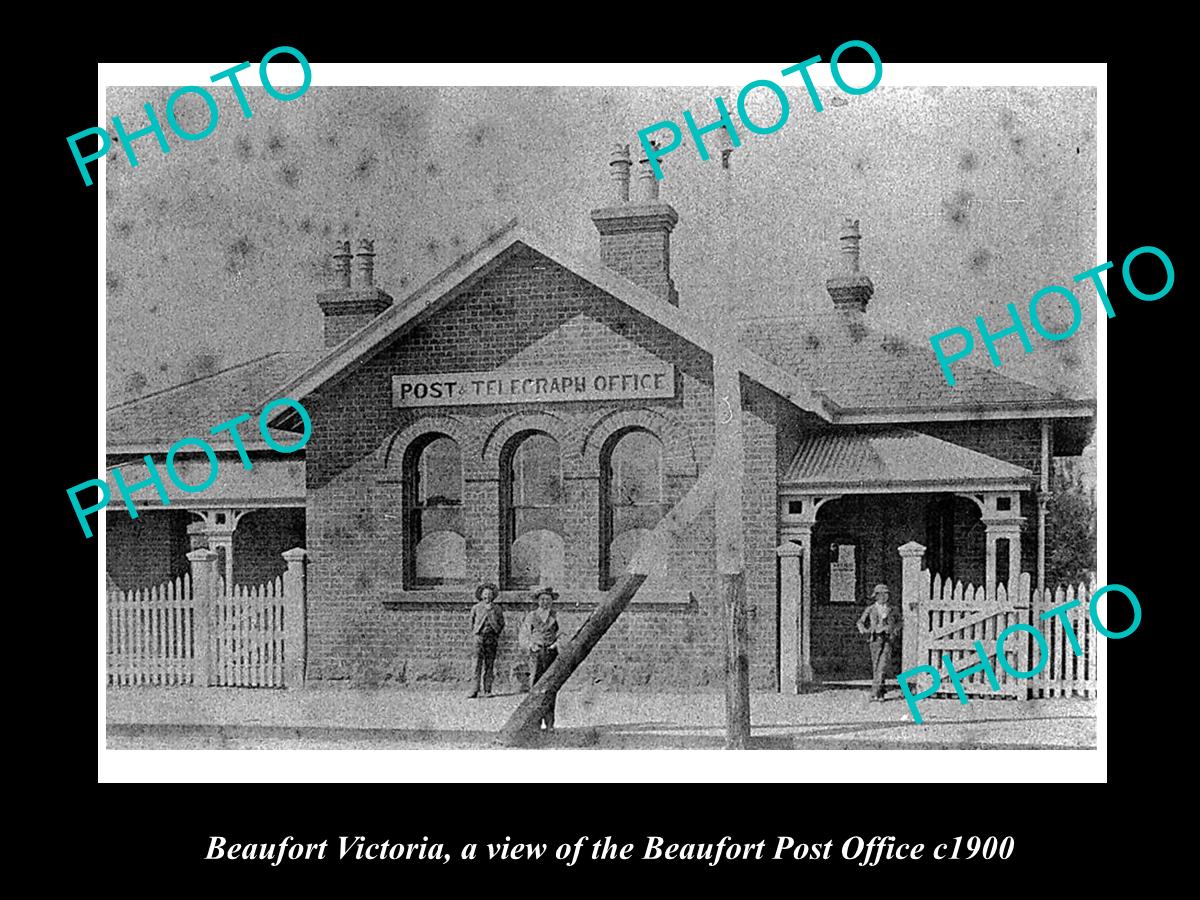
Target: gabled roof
{"points": [[472, 266], [155, 421], [827, 363], [873, 377], [866, 458]]}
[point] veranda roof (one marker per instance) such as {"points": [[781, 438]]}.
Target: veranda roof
{"points": [[895, 458]]}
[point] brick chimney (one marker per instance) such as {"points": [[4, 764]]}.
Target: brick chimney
{"points": [[851, 289], [635, 236], [355, 300]]}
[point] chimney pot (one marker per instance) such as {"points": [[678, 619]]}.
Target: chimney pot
{"points": [[647, 179], [364, 264], [349, 307], [341, 263], [850, 290], [635, 237], [620, 164], [850, 238], [725, 145]]}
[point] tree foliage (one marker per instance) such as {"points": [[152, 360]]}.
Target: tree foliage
{"points": [[1071, 527]]}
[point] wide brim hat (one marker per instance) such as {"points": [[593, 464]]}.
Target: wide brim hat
{"points": [[880, 589], [536, 593], [487, 584]]}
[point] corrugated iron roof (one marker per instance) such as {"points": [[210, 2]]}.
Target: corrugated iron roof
{"points": [[892, 456]]}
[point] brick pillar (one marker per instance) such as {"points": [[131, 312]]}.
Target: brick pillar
{"points": [[914, 592], [481, 518], [295, 615], [790, 673], [583, 532], [205, 588], [802, 534]]}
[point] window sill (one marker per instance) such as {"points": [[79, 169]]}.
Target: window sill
{"points": [[569, 599]]}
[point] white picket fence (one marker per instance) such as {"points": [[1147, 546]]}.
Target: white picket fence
{"points": [[1065, 674], [955, 615], [151, 635], [946, 618], [194, 631], [247, 636]]}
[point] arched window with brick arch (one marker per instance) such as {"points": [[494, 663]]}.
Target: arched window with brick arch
{"points": [[532, 505], [631, 498], [435, 546]]}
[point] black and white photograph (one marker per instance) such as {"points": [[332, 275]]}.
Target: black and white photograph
{"points": [[450, 425]]}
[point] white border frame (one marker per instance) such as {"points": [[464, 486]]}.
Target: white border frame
{"points": [[640, 766]]}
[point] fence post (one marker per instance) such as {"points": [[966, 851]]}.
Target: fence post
{"points": [[914, 592], [1022, 602], [204, 600], [294, 618]]}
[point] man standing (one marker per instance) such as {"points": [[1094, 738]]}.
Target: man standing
{"points": [[487, 621], [881, 624], [539, 635]]}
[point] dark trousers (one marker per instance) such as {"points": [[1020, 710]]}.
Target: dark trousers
{"points": [[485, 661], [881, 662], [539, 662]]}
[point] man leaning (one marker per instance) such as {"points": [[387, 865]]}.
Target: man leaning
{"points": [[881, 623]]}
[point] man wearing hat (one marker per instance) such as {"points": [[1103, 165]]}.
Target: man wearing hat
{"points": [[487, 621], [539, 635], [881, 623]]}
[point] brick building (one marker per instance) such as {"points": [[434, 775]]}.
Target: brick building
{"points": [[526, 418]]}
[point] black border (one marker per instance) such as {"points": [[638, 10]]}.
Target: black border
{"points": [[1148, 465]]}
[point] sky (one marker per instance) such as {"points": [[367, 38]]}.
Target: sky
{"points": [[967, 198]]}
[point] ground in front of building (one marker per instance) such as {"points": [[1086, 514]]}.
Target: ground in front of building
{"points": [[439, 718]]}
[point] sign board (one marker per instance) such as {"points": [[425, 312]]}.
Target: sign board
{"points": [[547, 385]]}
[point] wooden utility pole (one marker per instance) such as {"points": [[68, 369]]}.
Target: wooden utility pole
{"points": [[522, 725], [730, 460]]}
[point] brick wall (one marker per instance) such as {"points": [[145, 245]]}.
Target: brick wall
{"points": [[365, 626], [338, 328], [760, 424], [643, 257], [636, 242]]}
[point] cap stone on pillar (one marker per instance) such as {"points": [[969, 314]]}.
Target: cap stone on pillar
{"points": [[355, 300], [850, 290], [635, 237]]}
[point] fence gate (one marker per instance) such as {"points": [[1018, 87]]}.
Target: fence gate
{"points": [[943, 617], [955, 617], [192, 631], [246, 636]]}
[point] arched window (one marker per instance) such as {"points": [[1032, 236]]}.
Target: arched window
{"points": [[531, 504], [435, 548], [631, 498]]}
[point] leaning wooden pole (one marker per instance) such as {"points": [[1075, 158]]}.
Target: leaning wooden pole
{"points": [[730, 458], [522, 725]]}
